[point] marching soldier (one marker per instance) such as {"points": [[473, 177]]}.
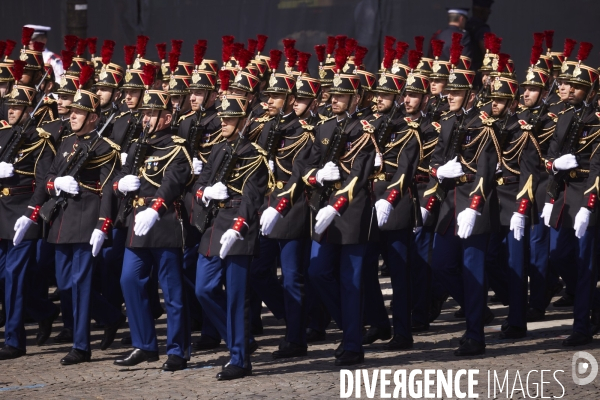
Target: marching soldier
{"points": [[179, 88], [326, 74], [110, 79], [231, 190], [153, 185]]}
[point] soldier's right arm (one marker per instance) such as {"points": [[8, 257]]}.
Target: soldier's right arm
{"points": [[312, 162], [204, 178]]}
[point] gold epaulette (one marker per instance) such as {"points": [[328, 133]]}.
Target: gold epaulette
{"points": [[178, 140], [486, 119], [565, 110], [184, 116], [43, 134], [325, 120], [322, 117], [4, 124], [437, 126], [265, 106], [49, 100], [123, 114], [264, 118], [447, 115], [47, 122], [260, 150], [110, 143], [306, 126], [367, 127]]}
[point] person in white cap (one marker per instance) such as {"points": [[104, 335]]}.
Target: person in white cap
{"points": [[457, 20], [40, 34]]}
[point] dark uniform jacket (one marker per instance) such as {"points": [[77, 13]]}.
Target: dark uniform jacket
{"points": [[24, 192], [580, 188], [58, 129], [478, 154], [258, 117], [351, 197], [165, 172], [429, 132], [91, 208], [48, 110], [121, 126], [246, 188], [287, 192]]}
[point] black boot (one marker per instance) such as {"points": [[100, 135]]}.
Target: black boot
{"points": [[76, 356], [9, 352], [45, 328], [137, 356], [374, 333], [470, 347], [174, 363]]}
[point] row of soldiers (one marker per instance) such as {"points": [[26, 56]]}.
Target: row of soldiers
{"points": [[202, 178]]}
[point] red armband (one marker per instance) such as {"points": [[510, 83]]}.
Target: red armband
{"points": [[240, 226], [549, 166], [393, 197], [157, 204], [433, 172], [199, 194], [475, 202], [50, 186], [106, 225], [35, 214], [282, 205], [430, 204], [116, 186], [551, 201], [339, 203], [523, 206], [592, 201], [312, 181]]}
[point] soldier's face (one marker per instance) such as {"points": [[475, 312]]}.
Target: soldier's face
{"points": [[563, 90], [132, 97], [229, 128], [385, 101], [325, 95], [531, 95], [156, 120], [412, 102], [4, 86], [197, 98], [79, 123], [176, 101], [165, 85], [14, 113], [105, 95], [340, 103], [498, 107], [63, 103], [577, 94], [26, 78], [302, 106], [276, 102], [456, 98], [438, 86]]}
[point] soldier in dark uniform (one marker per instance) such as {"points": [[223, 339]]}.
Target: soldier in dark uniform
{"points": [[326, 73], [179, 84], [22, 172], [79, 229], [572, 201], [457, 20], [343, 211], [6, 76], [438, 79], [61, 127], [234, 180], [462, 170], [108, 84], [155, 234]]}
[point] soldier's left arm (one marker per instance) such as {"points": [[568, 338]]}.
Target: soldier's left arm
{"points": [[529, 167], [43, 163], [108, 169], [176, 176], [253, 192], [487, 162]]}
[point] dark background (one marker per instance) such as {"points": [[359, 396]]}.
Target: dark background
{"points": [[308, 21]]}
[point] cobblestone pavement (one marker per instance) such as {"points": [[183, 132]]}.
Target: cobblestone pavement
{"points": [[39, 374]]}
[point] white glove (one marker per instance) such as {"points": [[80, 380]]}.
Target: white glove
{"points": [[546, 213], [329, 172], [268, 220], [218, 191], [21, 226], [324, 218], [271, 165], [98, 238], [383, 208], [582, 220], [424, 214], [197, 166], [67, 184], [227, 240], [517, 225], [465, 221], [129, 183], [123, 158], [452, 169], [6, 170], [144, 221], [564, 163], [377, 163]]}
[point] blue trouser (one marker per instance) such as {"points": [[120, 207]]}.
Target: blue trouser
{"points": [[496, 266], [541, 277], [190, 261], [41, 270], [285, 301], [342, 296], [398, 244], [137, 266], [74, 267], [374, 311], [578, 255], [421, 275], [112, 266], [228, 310], [516, 276], [14, 264], [460, 265]]}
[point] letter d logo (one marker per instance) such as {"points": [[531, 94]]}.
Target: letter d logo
{"points": [[580, 368]]}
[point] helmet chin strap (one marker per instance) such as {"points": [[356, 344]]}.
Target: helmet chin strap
{"points": [[83, 124], [156, 124]]}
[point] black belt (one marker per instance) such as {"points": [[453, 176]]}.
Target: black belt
{"points": [[229, 204], [466, 178], [280, 184], [421, 178], [384, 176], [16, 190], [574, 174], [507, 180]]}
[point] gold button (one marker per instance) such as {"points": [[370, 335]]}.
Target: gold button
{"points": [[279, 185], [338, 185], [381, 177], [5, 192], [573, 174], [500, 181], [463, 178]]}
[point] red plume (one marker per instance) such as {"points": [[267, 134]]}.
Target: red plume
{"points": [[81, 46], [536, 51], [538, 39], [176, 45], [87, 71], [419, 43], [10, 45], [303, 62], [341, 41], [388, 58], [549, 38], [224, 77], [414, 57], [436, 47], [173, 61], [320, 52], [340, 58], [235, 49], [244, 56], [455, 52], [226, 52], [92, 44], [401, 48], [26, 36], [456, 39], [2, 47], [199, 52], [17, 69], [388, 42], [108, 48], [569, 46], [67, 59], [203, 42], [292, 55], [289, 43], [70, 42], [227, 40], [275, 58], [584, 51], [252, 45], [262, 40], [496, 44], [488, 39], [502, 61], [351, 46], [38, 46], [330, 44], [148, 74], [140, 47], [359, 56], [129, 54], [161, 49]]}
